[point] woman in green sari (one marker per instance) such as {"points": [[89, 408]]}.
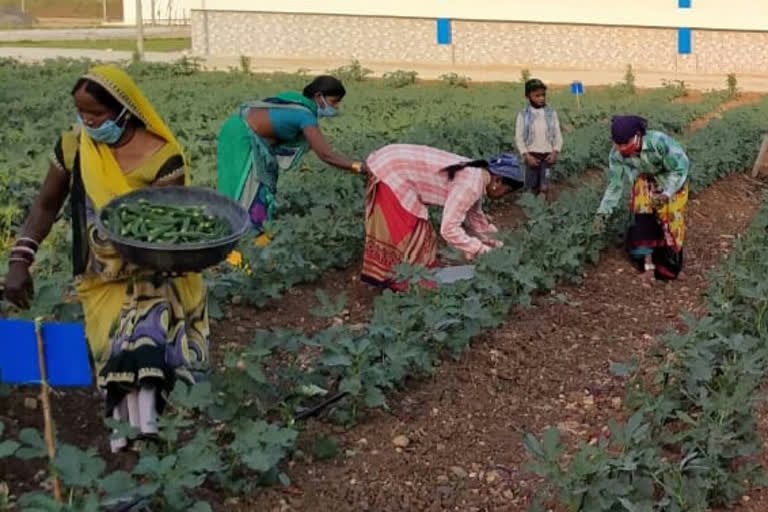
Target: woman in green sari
{"points": [[269, 136]]}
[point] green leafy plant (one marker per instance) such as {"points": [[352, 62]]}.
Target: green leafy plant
{"points": [[629, 80], [456, 80], [353, 72], [245, 64], [732, 84], [400, 78]]}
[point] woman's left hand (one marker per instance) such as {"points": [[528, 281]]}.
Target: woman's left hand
{"points": [[660, 200]]}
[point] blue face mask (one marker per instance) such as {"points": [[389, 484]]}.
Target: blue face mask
{"points": [[109, 132], [326, 110]]}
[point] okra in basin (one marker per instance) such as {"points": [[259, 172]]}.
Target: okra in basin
{"points": [[173, 229]]}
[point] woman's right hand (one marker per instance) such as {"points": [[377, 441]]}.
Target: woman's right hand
{"points": [[19, 289]]}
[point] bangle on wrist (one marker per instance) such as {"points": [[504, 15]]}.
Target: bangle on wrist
{"points": [[357, 166], [23, 249], [19, 259], [30, 242]]}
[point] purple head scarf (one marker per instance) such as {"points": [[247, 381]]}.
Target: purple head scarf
{"points": [[624, 128]]}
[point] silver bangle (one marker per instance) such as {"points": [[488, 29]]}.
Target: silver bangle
{"points": [[24, 249], [30, 240]]}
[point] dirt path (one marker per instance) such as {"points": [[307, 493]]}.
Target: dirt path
{"points": [[549, 365], [738, 100]]}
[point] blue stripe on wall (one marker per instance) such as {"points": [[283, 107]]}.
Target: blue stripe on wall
{"points": [[443, 31], [684, 40], [684, 4]]}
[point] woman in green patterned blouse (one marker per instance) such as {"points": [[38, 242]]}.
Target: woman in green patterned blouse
{"points": [[657, 168]]}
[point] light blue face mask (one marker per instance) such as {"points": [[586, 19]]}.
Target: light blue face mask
{"points": [[109, 132], [326, 110]]}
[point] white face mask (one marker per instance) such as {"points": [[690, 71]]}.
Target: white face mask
{"points": [[325, 110]]}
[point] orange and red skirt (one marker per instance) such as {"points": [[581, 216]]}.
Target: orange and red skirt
{"points": [[393, 236]]}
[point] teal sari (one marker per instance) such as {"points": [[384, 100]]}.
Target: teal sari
{"points": [[249, 167]]}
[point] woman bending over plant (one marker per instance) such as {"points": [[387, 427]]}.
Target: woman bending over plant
{"points": [[269, 136], [404, 180], [657, 167]]}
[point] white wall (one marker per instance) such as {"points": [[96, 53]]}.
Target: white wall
{"points": [[713, 14], [165, 10]]}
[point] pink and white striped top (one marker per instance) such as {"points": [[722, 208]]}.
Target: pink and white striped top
{"points": [[413, 174]]}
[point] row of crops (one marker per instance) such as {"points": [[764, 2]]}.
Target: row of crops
{"points": [[320, 209], [241, 425]]}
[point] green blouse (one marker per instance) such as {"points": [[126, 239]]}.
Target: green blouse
{"points": [[661, 157]]}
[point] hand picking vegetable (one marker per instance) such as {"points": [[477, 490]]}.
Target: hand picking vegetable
{"points": [[145, 221]]}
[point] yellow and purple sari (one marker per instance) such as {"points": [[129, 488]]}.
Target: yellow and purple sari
{"points": [[144, 330]]}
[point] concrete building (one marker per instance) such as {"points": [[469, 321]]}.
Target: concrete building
{"points": [[176, 12], [678, 36]]}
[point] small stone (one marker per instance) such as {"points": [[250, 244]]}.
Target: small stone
{"points": [[362, 441], [401, 441], [589, 401], [508, 494], [240, 329], [616, 403], [492, 477], [30, 403], [237, 300], [745, 498], [459, 472], [442, 479]]}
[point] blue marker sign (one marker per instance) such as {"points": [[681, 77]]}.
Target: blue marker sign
{"points": [[577, 88], [66, 354]]}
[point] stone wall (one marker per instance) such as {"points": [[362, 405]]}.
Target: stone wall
{"points": [[481, 43]]}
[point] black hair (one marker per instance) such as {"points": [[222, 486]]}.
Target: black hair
{"points": [[534, 84], [325, 85], [104, 97], [453, 169]]}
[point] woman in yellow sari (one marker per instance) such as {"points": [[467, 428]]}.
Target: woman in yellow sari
{"points": [[144, 330]]}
